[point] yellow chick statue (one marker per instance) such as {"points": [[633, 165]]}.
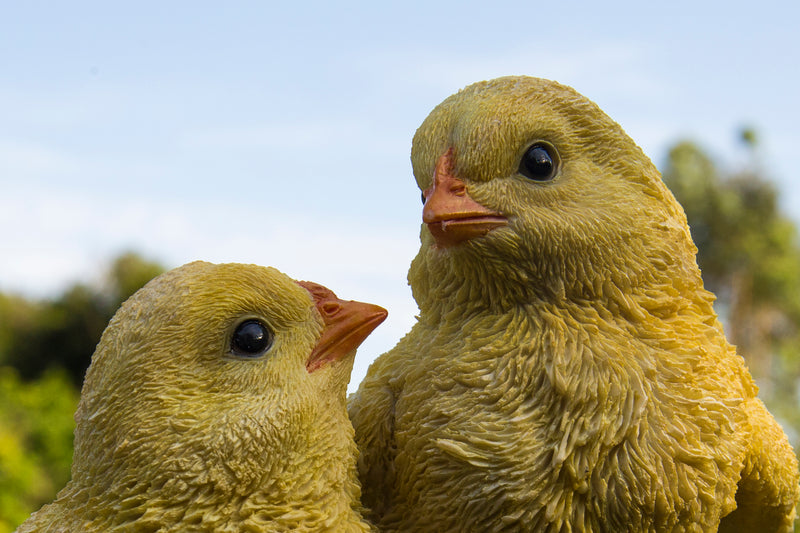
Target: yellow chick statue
{"points": [[216, 402], [567, 371]]}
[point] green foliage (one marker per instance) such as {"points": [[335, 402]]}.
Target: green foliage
{"points": [[62, 333], [36, 428], [128, 273], [16, 314], [45, 348], [749, 137]]}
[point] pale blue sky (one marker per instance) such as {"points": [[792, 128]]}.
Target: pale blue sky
{"points": [[280, 134]]}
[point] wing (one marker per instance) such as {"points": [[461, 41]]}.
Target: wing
{"points": [[371, 411], [768, 488]]}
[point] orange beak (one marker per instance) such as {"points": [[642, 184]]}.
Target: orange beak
{"points": [[451, 214], [347, 324]]}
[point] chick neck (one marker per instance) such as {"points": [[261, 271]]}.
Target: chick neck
{"points": [[451, 285], [194, 472], [321, 491]]}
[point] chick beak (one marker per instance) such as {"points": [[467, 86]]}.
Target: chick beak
{"points": [[451, 214], [346, 325]]}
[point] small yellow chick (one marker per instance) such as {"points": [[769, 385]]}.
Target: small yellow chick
{"points": [[215, 401], [567, 371]]}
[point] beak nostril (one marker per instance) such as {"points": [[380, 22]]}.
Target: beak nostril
{"points": [[330, 308], [459, 189]]}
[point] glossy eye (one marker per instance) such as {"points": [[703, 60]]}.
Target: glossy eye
{"points": [[423, 198], [251, 339], [539, 162]]}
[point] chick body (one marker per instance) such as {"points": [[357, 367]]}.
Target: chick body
{"points": [[179, 431], [567, 371]]}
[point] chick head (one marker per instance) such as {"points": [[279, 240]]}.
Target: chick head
{"points": [[212, 377], [530, 190]]}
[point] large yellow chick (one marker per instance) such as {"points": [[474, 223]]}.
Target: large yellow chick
{"points": [[215, 402], [567, 371]]}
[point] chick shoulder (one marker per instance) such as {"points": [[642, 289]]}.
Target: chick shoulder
{"points": [[567, 371], [198, 413]]}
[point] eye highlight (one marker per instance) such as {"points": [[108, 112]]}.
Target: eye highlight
{"points": [[251, 339], [539, 162]]}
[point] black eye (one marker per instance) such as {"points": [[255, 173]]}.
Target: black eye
{"points": [[251, 339], [423, 198], [539, 162]]}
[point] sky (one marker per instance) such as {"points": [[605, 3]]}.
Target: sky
{"points": [[279, 133]]}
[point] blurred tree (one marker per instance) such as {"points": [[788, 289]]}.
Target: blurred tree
{"points": [[749, 254], [128, 273], [36, 428], [45, 348], [62, 333], [16, 314], [749, 136]]}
